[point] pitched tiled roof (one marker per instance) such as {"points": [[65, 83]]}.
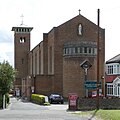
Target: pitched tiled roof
{"points": [[115, 59], [110, 78]]}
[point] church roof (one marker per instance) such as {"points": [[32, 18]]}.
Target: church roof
{"points": [[79, 17], [115, 59]]}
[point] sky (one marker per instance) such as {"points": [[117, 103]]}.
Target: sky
{"points": [[43, 15]]}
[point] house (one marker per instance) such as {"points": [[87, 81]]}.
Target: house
{"points": [[113, 76]]}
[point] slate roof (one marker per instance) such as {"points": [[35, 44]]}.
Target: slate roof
{"points": [[115, 59]]}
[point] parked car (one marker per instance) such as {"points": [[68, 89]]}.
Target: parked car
{"points": [[56, 98]]}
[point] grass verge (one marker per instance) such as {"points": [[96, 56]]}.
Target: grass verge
{"points": [[102, 114]]}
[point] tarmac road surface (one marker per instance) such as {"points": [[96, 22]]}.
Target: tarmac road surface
{"points": [[18, 110]]}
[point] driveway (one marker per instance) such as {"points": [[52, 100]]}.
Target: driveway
{"points": [[19, 110]]}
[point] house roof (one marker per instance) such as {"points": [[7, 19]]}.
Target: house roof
{"points": [[115, 59], [110, 78]]}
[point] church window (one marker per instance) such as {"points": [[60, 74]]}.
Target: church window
{"points": [[70, 51], [22, 39], [27, 30], [81, 49], [85, 49], [89, 50], [22, 61], [95, 51], [73, 50], [76, 50], [92, 50], [64, 51], [67, 50]]}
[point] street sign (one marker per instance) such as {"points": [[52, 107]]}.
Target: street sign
{"points": [[90, 84]]}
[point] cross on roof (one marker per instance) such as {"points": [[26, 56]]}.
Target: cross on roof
{"points": [[79, 11], [22, 19]]}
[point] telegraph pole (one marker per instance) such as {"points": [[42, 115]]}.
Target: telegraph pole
{"points": [[98, 22]]}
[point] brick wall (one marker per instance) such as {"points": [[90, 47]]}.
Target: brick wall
{"points": [[88, 104], [43, 84]]}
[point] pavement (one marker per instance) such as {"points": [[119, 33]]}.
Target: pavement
{"points": [[19, 110]]}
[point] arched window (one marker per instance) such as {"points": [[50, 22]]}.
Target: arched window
{"points": [[22, 39]]}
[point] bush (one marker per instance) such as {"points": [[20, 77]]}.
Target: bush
{"points": [[39, 99]]}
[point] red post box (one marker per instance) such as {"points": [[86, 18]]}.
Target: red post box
{"points": [[73, 99]]}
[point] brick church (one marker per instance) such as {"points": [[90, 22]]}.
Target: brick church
{"points": [[54, 65]]}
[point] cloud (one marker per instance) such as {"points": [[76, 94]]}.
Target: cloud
{"points": [[6, 47], [5, 36], [43, 15]]}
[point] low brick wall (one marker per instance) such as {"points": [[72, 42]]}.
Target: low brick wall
{"points": [[105, 103]]}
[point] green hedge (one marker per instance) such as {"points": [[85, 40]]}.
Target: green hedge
{"points": [[39, 99]]}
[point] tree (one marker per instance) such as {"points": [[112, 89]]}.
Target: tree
{"points": [[7, 75]]}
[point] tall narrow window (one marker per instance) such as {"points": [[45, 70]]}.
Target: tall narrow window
{"points": [[36, 63], [22, 39], [76, 50], [85, 49], [22, 61], [110, 89], [51, 59], [89, 50], [81, 49]]}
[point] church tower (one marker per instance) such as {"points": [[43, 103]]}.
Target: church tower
{"points": [[21, 50]]}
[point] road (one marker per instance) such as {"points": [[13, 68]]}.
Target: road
{"points": [[19, 110]]}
